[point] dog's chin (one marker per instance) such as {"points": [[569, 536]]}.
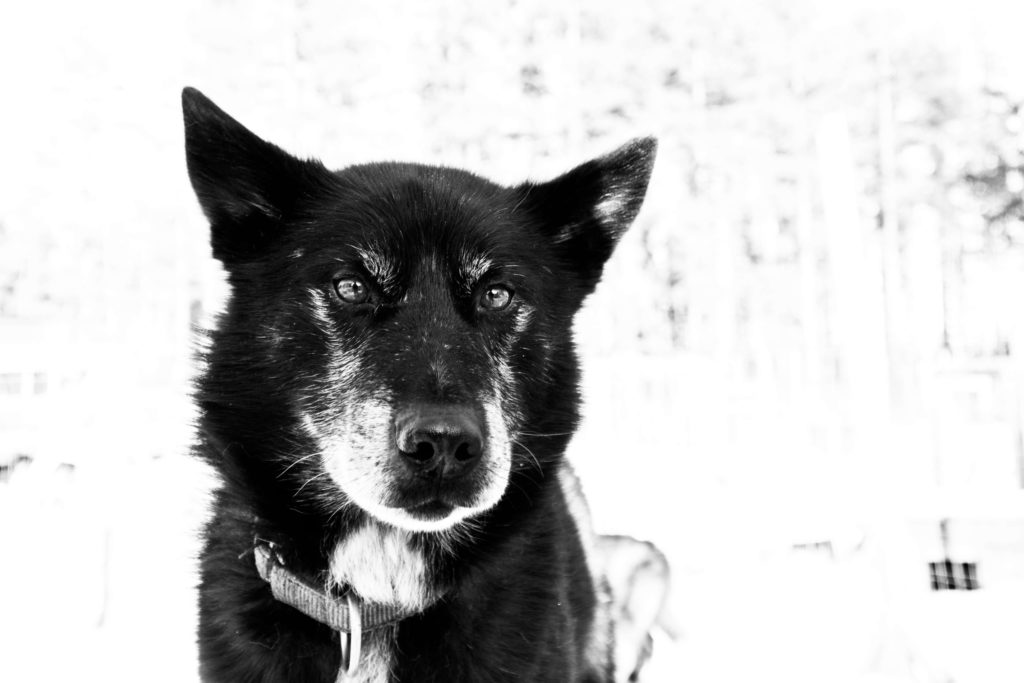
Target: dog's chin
{"points": [[430, 515], [434, 516], [431, 511]]}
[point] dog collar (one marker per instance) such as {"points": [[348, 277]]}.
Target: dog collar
{"points": [[348, 615]]}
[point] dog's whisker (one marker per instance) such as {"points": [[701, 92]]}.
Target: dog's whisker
{"points": [[540, 434], [532, 457], [297, 461], [311, 480], [337, 509]]}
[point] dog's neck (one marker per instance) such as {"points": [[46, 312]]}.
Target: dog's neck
{"points": [[382, 564]]}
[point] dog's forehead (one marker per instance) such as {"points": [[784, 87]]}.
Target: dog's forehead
{"points": [[400, 215]]}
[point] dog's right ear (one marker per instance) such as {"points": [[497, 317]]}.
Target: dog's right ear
{"points": [[245, 185]]}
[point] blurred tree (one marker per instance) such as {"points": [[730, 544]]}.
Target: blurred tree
{"points": [[996, 175]]}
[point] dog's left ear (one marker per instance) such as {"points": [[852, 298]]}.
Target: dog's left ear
{"points": [[588, 209]]}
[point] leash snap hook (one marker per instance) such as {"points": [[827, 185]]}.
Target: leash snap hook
{"points": [[352, 641]]}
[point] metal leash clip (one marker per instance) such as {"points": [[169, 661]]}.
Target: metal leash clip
{"points": [[352, 641]]}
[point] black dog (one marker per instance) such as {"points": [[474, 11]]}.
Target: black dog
{"points": [[386, 400]]}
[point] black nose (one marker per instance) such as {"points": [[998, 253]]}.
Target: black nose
{"points": [[438, 438]]}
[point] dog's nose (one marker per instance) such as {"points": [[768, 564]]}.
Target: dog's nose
{"points": [[442, 439]]}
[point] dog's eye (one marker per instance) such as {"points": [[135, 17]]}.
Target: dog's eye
{"points": [[495, 298], [352, 290]]}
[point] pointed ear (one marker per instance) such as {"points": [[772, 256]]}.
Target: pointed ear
{"points": [[588, 209], [245, 186]]}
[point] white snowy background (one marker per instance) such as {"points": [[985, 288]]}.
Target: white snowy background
{"points": [[806, 355]]}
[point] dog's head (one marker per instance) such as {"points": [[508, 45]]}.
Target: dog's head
{"points": [[411, 323]]}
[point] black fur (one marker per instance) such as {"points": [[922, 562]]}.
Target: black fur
{"points": [[518, 602]]}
